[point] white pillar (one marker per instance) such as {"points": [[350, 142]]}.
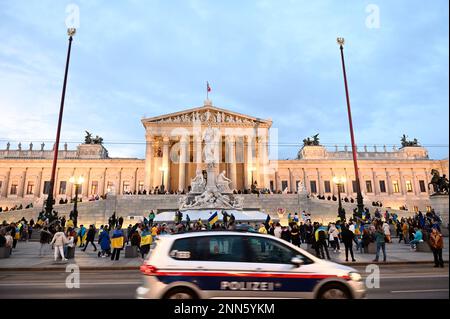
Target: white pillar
{"points": [[231, 160], [149, 153], [166, 162], [249, 162], [182, 163]]}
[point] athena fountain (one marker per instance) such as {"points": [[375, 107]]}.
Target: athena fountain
{"points": [[212, 192]]}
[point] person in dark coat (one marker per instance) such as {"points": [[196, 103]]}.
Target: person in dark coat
{"points": [[295, 236], [347, 237], [286, 234], [105, 243], [90, 237]]}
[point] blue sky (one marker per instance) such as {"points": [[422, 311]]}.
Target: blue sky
{"points": [[270, 59]]}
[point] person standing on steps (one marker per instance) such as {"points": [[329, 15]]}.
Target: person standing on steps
{"points": [[90, 236], [347, 238], [381, 243], [58, 242], [117, 243], [437, 244]]}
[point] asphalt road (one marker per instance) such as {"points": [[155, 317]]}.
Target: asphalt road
{"points": [[397, 282]]}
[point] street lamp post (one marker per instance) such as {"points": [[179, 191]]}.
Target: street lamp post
{"points": [[49, 205], [77, 181], [359, 198], [339, 181]]}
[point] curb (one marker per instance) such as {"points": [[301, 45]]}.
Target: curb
{"points": [[122, 268]]}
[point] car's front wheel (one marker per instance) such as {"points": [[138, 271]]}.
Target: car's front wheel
{"points": [[334, 291], [180, 293]]}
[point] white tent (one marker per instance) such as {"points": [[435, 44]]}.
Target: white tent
{"points": [[194, 215]]}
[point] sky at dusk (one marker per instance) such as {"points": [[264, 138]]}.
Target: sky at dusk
{"points": [[269, 59]]}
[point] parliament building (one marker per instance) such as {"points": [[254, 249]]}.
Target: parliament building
{"points": [[174, 154]]}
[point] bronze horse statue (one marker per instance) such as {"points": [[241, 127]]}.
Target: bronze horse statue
{"points": [[440, 183]]}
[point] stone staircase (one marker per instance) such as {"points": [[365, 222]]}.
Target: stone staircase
{"points": [[132, 207]]}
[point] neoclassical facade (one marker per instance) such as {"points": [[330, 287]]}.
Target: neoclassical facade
{"points": [[174, 154]]}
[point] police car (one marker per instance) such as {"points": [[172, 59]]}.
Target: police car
{"points": [[231, 264]]}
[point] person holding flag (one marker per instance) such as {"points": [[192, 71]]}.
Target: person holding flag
{"points": [[213, 219], [117, 242], [146, 241]]}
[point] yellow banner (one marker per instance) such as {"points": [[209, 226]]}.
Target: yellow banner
{"points": [[117, 242], [146, 240]]}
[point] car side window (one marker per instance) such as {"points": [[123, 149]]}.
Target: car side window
{"points": [[266, 250], [209, 248]]}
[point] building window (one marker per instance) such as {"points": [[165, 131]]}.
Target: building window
{"points": [[62, 187], [1, 183], [313, 186], [109, 187], [94, 188], [327, 186], [13, 188], [409, 187], [382, 186], [271, 186], [369, 187], [341, 188], [126, 187], [355, 186], [141, 186], [46, 187], [297, 185], [284, 185], [422, 186], [30, 188], [395, 187]]}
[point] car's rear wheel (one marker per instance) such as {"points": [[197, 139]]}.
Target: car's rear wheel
{"points": [[334, 291], [180, 293]]}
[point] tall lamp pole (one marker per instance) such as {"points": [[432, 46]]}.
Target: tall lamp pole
{"points": [[49, 205], [339, 182], [77, 182], [359, 198]]}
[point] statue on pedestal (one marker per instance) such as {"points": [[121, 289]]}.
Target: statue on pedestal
{"points": [[440, 183], [198, 183], [209, 151], [223, 183]]}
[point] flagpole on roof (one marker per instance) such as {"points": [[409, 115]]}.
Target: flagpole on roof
{"points": [[207, 90]]}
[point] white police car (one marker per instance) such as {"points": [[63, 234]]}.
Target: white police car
{"points": [[226, 264]]}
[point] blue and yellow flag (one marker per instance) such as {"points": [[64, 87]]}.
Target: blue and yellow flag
{"points": [[213, 219]]}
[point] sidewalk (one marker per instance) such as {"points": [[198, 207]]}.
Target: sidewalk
{"points": [[26, 257]]}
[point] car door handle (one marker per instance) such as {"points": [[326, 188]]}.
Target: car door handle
{"points": [[199, 267]]}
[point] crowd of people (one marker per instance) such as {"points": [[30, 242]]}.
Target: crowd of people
{"points": [[356, 233]]}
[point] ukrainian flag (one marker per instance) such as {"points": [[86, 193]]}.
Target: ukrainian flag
{"points": [[213, 219]]}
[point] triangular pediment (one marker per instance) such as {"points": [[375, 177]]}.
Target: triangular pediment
{"points": [[207, 114]]}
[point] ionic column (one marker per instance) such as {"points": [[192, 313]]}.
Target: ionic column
{"points": [[182, 163], [249, 163], [149, 153], [231, 160], [166, 162], [198, 152]]}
